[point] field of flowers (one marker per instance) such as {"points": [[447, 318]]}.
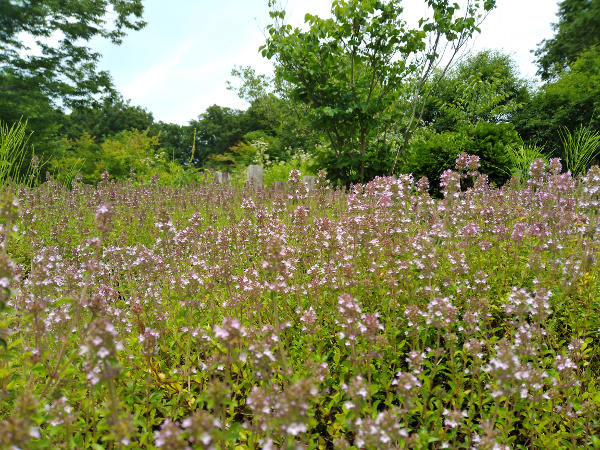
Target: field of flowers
{"points": [[147, 316]]}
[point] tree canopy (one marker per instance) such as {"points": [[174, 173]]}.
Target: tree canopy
{"points": [[219, 128], [67, 71], [113, 115], [44, 63], [482, 86], [354, 68], [577, 30], [271, 97], [570, 101]]}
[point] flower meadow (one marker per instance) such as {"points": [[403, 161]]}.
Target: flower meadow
{"points": [[147, 316]]}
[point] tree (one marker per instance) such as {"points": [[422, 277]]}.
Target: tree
{"points": [[32, 105], [468, 113], [286, 119], [118, 155], [113, 115], [36, 83], [354, 68], [66, 72], [483, 86], [218, 129], [175, 139], [130, 150], [570, 101], [577, 30]]}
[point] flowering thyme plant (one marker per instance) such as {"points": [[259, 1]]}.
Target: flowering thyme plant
{"points": [[148, 316]]}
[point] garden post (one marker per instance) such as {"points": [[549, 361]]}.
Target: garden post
{"points": [[255, 175]]}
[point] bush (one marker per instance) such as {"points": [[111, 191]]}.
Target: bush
{"points": [[431, 153], [260, 149], [117, 155], [489, 141], [570, 102], [346, 169]]}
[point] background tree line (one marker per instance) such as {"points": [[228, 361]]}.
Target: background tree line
{"points": [[360, 94]]}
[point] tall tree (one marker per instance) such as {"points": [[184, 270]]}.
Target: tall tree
{"points": [[28, 103], [469, 113], [113, 115], [577, 29], [37, 80], [286, 118], [175, 139], [219, 128], [354, 68], [570, 101], [68, 71], [483, 86]]}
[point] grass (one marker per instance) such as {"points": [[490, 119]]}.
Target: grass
{"points": [[160, 317], [581, 148], [13, 149], [521, 158]]}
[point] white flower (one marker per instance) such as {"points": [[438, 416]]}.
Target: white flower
{"points": [[296, 428], [205, 438]]}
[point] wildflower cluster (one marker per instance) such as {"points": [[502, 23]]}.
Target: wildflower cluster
{"points": [[148, 316]]}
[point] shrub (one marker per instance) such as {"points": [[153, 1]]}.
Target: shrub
{"points": [[118, 155], [257, 150], [345, 169], [430, 153]]}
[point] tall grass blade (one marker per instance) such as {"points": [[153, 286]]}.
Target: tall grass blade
{"points": [[521, 158], [581, 148], [13, 149]]}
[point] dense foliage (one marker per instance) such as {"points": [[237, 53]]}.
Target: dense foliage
{"points": [[484, 86], [430, 153], [158, 317], [220, 128], [143, 305], [36, 80], [354, 68], [577, 30], [113, 116], [570, 101], [357, 95]]}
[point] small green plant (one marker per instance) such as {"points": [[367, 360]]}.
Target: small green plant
{"points": [[13, 149], [521, 158], [257, 151], [280, 170], [581, 148]]}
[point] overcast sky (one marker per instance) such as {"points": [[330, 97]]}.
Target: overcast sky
{"points": [[178, 65]]}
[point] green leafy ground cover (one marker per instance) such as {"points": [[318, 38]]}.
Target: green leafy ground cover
{"points": [[377, 317]]}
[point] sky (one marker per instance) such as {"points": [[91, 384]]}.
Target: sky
{"points": [[178, 65]]}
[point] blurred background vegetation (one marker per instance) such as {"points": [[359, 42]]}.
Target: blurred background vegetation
{"points": [[481, 106]]}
